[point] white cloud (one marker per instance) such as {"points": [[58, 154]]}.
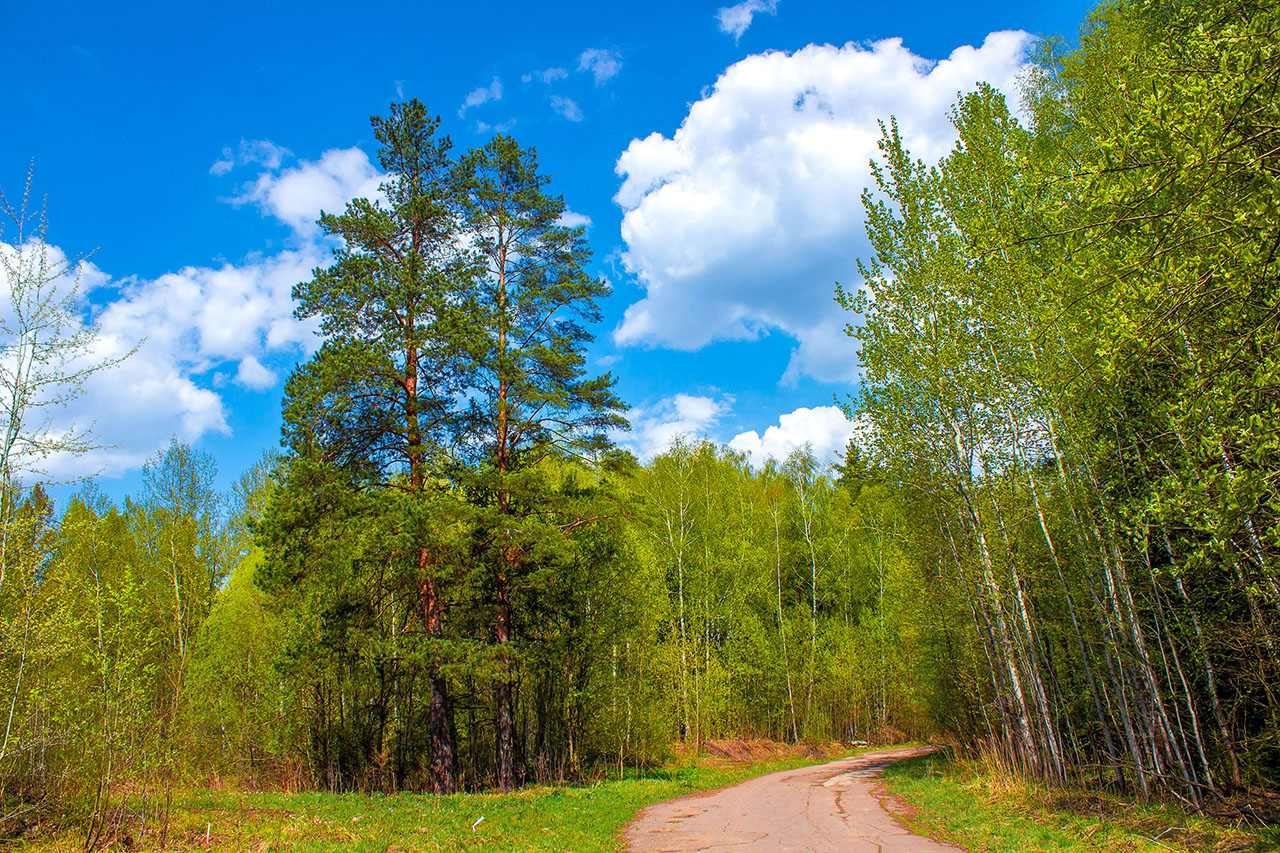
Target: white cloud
{"points": [[569, 219], [566, 107], [297, 195], [735, 20], [654, 427], [194, 326], [824, 428], [252, 375], [186, 324], [547, 75], [52, 265], [480, 95], [500, 127], [604, 64], [743, 220], [823, 351]]}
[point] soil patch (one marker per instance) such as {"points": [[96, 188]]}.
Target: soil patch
{"points": [[753, 751]]}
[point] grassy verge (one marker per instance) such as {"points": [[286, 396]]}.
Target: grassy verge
{"points": [[983, 810], [578, 818]]}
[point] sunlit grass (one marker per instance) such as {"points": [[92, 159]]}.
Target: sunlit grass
{"points": [[540, 818], [984, 810]]}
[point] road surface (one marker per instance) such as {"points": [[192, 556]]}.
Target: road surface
{"points": [[827, 807]]}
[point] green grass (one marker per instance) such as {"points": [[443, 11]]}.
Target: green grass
{"points": [[984, 810], [577, 818]]}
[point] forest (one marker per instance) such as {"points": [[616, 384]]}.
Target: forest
{"points": [[1053, 538]]}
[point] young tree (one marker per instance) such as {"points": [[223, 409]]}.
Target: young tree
{"points": [[45, 341], [45, 358]]}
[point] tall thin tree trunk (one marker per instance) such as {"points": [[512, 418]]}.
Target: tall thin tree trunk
{"points": [[782, 625], [1030, 752], [1103, 718], [983, 624], [1032, 663], [686, 724], [1211, 685]]}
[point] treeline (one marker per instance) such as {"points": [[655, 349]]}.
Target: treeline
{"points": [[160, 644], [108, 620], [702, 600], [449, 578], [1070, 345]]}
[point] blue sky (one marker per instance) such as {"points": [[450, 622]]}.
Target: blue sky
{"points": [[717, 151]]}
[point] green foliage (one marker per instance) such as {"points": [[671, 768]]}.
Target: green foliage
{"points": [[100, 695], [244, 717], [789, 608], [1054, 536], [430, 533], [1068, 342], [981, 808]]}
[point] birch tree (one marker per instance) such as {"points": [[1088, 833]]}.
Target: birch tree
{"points": [[46, 356]]}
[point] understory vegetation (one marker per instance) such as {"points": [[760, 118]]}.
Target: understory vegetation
{"points": [[1053, 536], [982, 807], [586, 817]]}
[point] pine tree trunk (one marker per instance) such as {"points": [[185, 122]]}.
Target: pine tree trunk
{"points": [[443, 778], [443, 765], [502, 693]]}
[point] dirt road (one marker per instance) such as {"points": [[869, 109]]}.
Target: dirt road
{"points": [[828, 807]]}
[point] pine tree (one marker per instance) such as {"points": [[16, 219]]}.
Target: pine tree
{"points": [[378, 401], [531, 397]]}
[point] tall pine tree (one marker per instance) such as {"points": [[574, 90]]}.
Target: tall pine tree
{"points": [[378, 401], [532, 399]]}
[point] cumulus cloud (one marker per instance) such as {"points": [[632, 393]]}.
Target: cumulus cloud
{"points": [[297, 195], [185, 325], [480, 95], [655, 427], [196, 325], [742, 221], [566, 107], [569, 219], [735, 20], [824, 428], [601, 63], [251, 374]]}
